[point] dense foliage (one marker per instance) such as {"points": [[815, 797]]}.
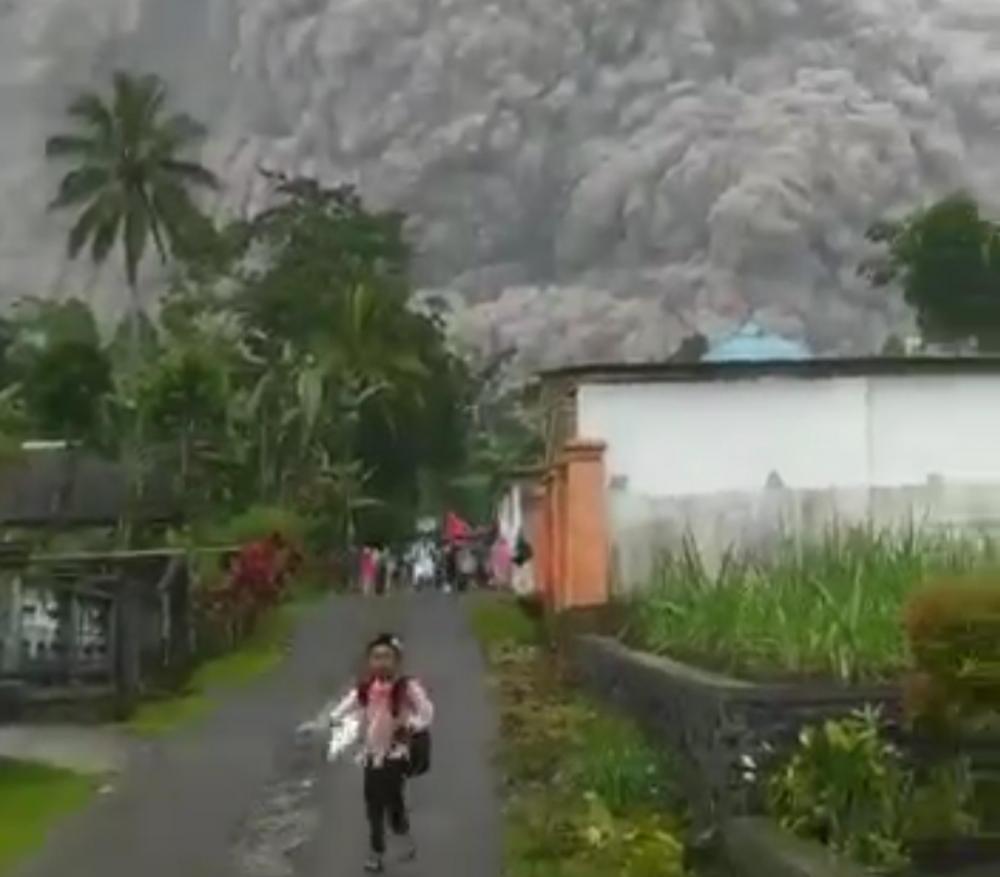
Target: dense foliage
{"points": [[288, 365], [953, 631]]}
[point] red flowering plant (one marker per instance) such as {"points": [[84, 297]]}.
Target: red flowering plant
{"points": [[256, 581]]}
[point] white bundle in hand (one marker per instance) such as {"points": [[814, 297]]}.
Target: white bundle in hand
{"points": [[343, 735]]}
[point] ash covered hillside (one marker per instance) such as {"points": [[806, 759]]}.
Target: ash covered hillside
{"points": [[589, 179]]}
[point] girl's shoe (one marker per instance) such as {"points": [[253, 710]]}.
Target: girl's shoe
{"points": [[375, 865]]}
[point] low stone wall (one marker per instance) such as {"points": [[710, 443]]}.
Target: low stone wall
{"points": [[11, 700], [723, 730], [752, 847]]}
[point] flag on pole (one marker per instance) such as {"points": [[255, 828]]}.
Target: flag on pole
{"points": [[455, 529]]}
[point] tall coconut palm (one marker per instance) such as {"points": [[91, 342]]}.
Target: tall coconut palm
{"points": [[131, 177]]}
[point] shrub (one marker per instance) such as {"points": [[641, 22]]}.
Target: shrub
{"points": [[845, 786], [953, 629], [848, 787], [256, 580]]}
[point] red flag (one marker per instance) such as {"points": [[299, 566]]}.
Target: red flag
{"points": [[455, 529]]}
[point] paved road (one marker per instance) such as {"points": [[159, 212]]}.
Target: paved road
{"points": [[238, 796]]}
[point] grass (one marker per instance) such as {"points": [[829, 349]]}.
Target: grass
{"points": [[255, 658], [501, 622], [585, 795], [831, 609], [32, 798]]}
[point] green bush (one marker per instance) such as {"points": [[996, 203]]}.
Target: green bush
{"points": [[845, 786], [953, 630], [827, 609], [848, 787]]}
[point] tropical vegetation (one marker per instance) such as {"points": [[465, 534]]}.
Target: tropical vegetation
{"points": [[946, 259], [287, 363], [585, 795]]}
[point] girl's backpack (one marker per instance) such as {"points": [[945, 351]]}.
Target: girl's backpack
{"points": [[419, 761]]}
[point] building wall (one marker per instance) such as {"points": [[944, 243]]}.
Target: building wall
{"points": [[669, 439], [695, 460]]}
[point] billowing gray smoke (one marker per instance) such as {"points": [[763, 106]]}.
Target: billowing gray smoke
{"points": [[597, 178]]}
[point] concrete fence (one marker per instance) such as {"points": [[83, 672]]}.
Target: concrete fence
{"points": [[643, 528], [93, 627]]}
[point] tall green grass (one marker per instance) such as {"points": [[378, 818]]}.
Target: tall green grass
{"points": [[831, 608]]}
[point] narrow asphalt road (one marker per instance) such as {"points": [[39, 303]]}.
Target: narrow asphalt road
{"points": [[240, 796]]}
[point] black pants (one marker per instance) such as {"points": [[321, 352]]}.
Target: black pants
{"points": [[384, 799]]}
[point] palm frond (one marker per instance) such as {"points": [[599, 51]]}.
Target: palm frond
{"points": [[105, 235], [79, 185], [72, 145], [136, 233], [174, 210], [137, 100], [83, 229], [96, 115]]}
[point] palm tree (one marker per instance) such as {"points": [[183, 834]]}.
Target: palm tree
{"points": [[130, 180]]}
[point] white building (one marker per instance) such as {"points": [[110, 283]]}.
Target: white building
{"points": [[737, 453]]}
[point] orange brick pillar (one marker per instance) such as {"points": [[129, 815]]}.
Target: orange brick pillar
{"points": [[560, 521], [583, 579]]}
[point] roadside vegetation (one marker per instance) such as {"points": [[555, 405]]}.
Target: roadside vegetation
{"points": [[585, 795], [830, 610], [255, 657], [32, 798]]}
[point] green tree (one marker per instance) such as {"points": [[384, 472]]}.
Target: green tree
{"points": [[131, 179], [183, 400], [341, 370], [62, 373], [310, 251], [63, 389], [946, 258]]}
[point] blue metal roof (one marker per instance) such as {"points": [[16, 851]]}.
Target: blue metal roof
{"points": [[750, 343]]}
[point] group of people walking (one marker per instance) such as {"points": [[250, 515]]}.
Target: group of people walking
{"points": [[488, 561]]}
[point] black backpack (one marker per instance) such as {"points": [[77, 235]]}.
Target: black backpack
{"points": [[419, 761]]}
